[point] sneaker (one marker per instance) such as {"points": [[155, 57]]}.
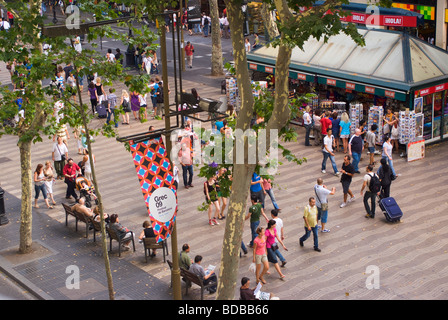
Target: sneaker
{"points": [[326, 230], [337, 174], [210, 222], [317, 249], [215, 221], [352, 199], [323, 171], [343, 204]]}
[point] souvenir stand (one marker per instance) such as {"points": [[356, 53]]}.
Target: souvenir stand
{"points": [[407, 127], [376, 114], [232, 93]]}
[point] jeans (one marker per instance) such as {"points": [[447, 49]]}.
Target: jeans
{"points": [[109, 115], [197, 28], [42, 188], [271, 195], [356, 158], [391, 164], [189, 169], [333, 162], [307, 134], [372, 196], [307, 235], [253, 229], [274, 254]]}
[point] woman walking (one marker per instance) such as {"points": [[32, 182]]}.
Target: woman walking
{"points": [[385, 176], [387, 153], [59, 155], [344, 124], [49, 173], [260, 257], [211, 197], [272, 247], [135, 104], [39, 185], [126, 104]]}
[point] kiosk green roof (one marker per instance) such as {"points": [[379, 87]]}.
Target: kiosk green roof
{"points": [[391, 63]]}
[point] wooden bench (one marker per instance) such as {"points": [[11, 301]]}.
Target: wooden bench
{"points": [[96, 227], [150, 243], [193, 278], [78, 217], [114, 236]]}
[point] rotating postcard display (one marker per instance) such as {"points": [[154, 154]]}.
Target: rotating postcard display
{"points": [[339, 107], [408, 127], [376, 114], [356, 114], [233, 98]]}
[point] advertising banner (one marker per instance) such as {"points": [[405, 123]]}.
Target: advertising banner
{"points": [[155, 175]]}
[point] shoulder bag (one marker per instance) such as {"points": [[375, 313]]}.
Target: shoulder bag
{"points": [[324, 206]]}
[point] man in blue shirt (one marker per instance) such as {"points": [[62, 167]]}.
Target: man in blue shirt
{"points": [[256, 188]]}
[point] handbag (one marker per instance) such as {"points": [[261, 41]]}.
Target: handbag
{"points": [[274, 246], [324, 206]]}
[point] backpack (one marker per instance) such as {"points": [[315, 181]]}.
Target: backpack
{"points": [[375, 184], [160, 94]]}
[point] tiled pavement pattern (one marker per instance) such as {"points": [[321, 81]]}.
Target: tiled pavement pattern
{"points": [[411, 256]]}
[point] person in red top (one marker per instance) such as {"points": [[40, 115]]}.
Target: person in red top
{"points": [[325, 123], [70, 172], [189, 50]]}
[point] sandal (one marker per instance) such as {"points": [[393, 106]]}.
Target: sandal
{"points": [[50, 207]]}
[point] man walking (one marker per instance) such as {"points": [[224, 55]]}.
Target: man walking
{"points": [[310, 218], [327, 152], [355, 148], [373, 184], [371, 140], [322, 202], [186, 160], [254, 214], [189, 50], [346, 179]]}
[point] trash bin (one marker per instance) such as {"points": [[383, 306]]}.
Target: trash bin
{"points": [[3, 218]]}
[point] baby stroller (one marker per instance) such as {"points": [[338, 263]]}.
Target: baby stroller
{"points": [[86, 190]]}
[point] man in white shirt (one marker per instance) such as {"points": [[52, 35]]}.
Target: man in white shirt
{"points": [[322, 193], [279, 228], [77, 44], [328, 153], [4, 25]]}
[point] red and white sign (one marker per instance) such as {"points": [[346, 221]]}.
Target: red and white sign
{"points": [[301, 76], [389, 94], [431, 90], [380, 20], [252, 66], [269, 69], [331, 82], [370, 90], [350, 86]]}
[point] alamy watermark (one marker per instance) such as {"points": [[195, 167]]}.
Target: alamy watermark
{"points": [[373, 279], [232, 147]]}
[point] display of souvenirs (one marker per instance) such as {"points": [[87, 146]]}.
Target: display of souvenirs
{"points": [[376, 114], [315, 101], [232, 92], [356, 114], [326, 104], [408, 127], [339, 107]]}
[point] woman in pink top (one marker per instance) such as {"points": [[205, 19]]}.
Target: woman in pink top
{"points": [[260, 256], [268, 189], [271, 246]]}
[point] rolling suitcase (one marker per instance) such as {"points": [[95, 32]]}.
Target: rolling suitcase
{"points": [[391, 209], [101, 109]]}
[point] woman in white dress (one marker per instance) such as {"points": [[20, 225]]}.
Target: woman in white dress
{"points": [[49, 174]]}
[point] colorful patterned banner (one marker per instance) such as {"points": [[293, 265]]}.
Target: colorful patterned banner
{"points": [[155, 174], [428, 12]]}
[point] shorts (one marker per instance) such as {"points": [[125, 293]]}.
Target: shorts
{"points": [[259, 259], [322, 215], [143, 106], [345, 186], [371, 149], [345, 136]]}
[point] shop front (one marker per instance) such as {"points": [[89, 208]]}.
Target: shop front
{"points": [[389, 72]]}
